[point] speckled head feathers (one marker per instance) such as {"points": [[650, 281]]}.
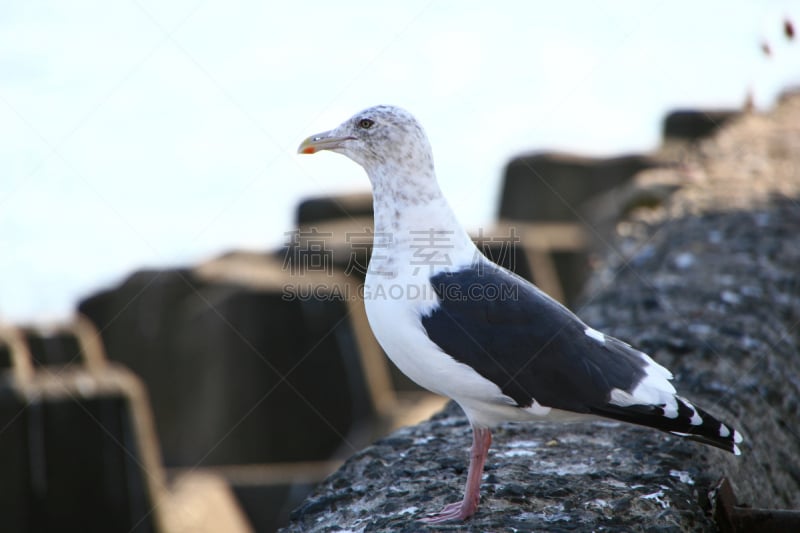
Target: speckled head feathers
{"points": [[385, 140]]}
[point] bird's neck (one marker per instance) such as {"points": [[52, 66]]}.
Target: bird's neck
{"points": [[415, 228]]}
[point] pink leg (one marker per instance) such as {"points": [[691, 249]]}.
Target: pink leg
{"points": [[481, 440]]}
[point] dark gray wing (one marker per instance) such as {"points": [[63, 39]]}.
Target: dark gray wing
{"points": [[533, 348], [528, 344]]}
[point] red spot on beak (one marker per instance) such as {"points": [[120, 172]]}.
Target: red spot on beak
{"points": [[309, 150]]}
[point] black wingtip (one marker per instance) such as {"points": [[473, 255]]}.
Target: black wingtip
{"points": [[691, 423], [727, 445]]}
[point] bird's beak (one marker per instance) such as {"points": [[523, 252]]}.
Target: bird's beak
{"points": [[328, 140]]}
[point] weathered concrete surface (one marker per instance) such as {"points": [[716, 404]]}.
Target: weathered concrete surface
{"points": [[709, 284], [539, 476]]}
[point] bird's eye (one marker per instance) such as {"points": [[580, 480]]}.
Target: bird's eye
{"points": [[365, 123]]}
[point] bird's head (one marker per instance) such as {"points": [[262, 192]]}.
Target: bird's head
{"points": [[385, 140]]}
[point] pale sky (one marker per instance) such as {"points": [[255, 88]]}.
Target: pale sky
{"points": [[154, 134]]}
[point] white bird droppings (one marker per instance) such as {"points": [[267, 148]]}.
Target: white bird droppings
{"points": [[683, 476], [657, 497]]}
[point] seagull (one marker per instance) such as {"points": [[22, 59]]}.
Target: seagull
{"points": [[464, 327]]}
